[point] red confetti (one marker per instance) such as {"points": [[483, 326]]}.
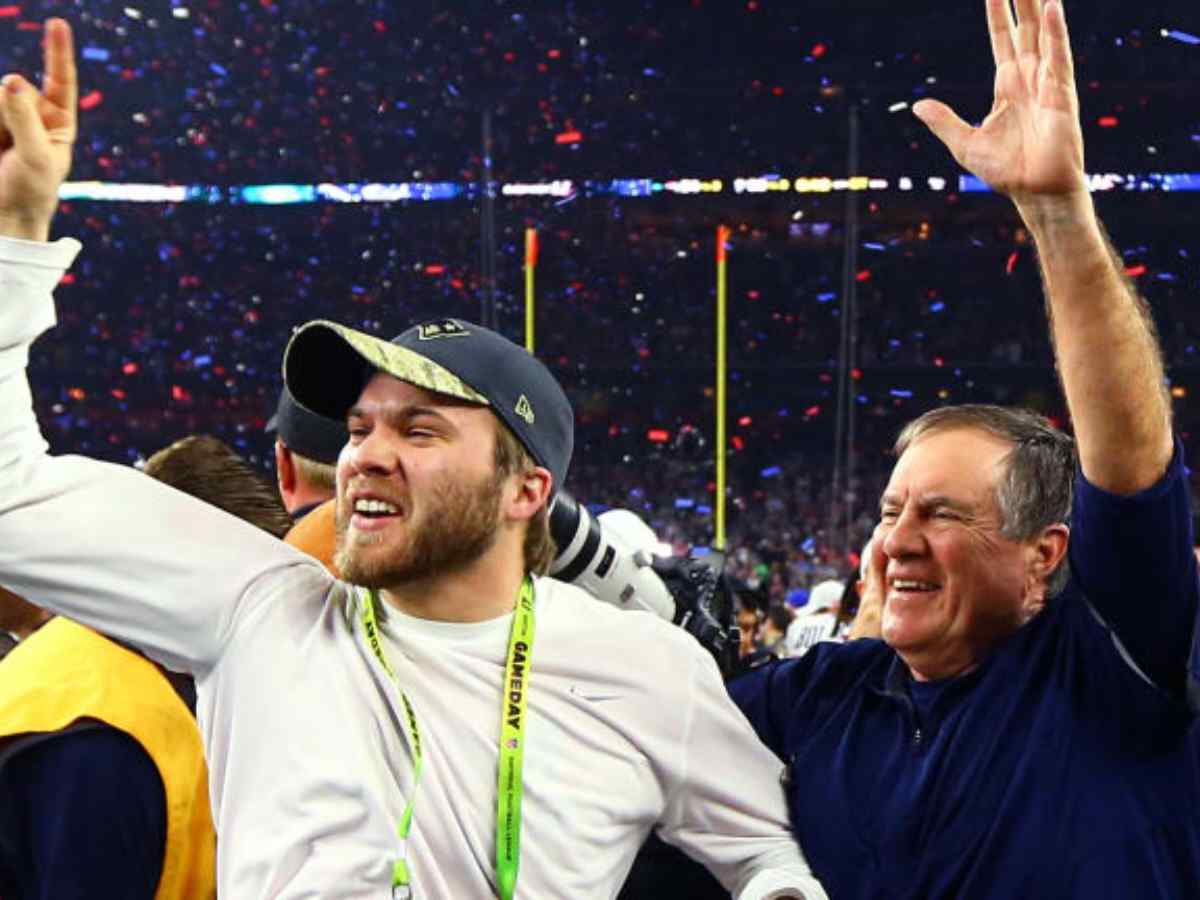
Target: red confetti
{"points": [[130, 368], [435, 269], [91, 100], [9, 12], [1135, 271], [818, 51], [738, 443], [864, 275], [745, 420], [658, 435], [812, 411], [1012, 262], [118, 393], [1108, 121], [554, 54], [69, 278], [568, 137], [29, 26]]}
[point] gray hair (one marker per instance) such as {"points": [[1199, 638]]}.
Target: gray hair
{"points": [[1038, 482]]}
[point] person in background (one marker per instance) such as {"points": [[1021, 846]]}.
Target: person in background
{"points": [[306, 453], [775, 628], [817, 620], [103, 784], [208, 468], [748, 613]]}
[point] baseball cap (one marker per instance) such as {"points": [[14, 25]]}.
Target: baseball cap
{"points": [[823, 596], [327, 365], [308, 434]]}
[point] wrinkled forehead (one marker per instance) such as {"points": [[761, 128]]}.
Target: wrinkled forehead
{"points": [[966, 463]]}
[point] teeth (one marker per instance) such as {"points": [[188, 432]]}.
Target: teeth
{"points": [[903, 584], [375, 506]]}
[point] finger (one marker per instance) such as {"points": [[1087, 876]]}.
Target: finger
{"points": [[1000, 29], [946, 125], [1029, 26], [1056, 42], [61, 82], [18, 108]]}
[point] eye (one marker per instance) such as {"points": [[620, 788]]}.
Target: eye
{"points": [[889, 515]]}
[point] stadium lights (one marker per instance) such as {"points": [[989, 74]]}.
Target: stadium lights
{"points": [[428, 191]]}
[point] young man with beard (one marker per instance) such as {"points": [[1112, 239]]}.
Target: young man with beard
{"points": [[411, 735]]}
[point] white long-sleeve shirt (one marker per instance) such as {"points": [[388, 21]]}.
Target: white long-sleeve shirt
{"points": [[629, 724]]}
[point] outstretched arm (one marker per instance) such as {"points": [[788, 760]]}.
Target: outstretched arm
{"points": [[1030, 147]]}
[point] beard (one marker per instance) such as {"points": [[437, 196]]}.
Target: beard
{"points": [[453, 528]]}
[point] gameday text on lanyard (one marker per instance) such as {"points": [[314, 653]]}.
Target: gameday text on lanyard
{"points": [[512, 744]]}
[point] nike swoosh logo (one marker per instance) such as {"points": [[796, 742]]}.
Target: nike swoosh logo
{"points": [[595, 696]]}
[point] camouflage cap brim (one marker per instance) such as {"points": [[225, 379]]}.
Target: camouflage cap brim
{"points": [[312, 376]]}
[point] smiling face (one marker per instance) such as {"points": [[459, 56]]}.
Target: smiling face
{"points": [[418, 493], [955, 586]]}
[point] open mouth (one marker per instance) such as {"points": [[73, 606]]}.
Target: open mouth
{"points": [[371, 514], [911, 587]]}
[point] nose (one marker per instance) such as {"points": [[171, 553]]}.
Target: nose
{"points": [[375, 454], [903, 537]]}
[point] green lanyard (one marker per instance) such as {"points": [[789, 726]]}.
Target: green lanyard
{"points": [[512, 744]]}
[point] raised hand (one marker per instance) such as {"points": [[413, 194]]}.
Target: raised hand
{"points": [[37, 132], [1030, 146]]}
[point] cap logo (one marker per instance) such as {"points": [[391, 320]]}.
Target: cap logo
{"points": [[430, 331], [524, 410]]}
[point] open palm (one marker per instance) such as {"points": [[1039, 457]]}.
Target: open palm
{"points": [[1030, 145], [37, 131]]}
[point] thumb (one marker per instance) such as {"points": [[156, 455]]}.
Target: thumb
{"points": [[945, 124], [19, 113]]}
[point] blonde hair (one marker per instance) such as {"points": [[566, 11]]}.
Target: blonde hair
{"points": [[511, 458]]}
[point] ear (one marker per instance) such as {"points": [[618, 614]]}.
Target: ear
{"points": [[285, 470], [530, 491], [1045, 553]]}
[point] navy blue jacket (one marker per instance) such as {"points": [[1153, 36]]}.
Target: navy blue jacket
{"points": [[1065, 766], [83, 814]]}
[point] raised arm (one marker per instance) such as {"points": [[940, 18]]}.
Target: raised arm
{"points": [[1030, 147], [102, 544]]}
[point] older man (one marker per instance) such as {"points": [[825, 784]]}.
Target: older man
{"points": [[1022, 729]]}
